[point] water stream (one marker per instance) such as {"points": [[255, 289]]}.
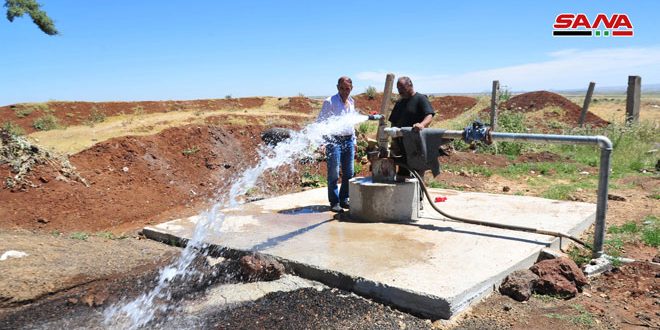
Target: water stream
{"points": [[140, 311]]}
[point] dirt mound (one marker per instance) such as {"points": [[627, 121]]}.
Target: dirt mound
{"points": [[365, 104], [566, 114], [299, 104], [135, 180], [448, 107], [81, 113], [21, 156]]}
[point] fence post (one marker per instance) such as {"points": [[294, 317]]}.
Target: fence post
{"points": [[493, 104], [383, 144], [587, 101], [633, 99]]}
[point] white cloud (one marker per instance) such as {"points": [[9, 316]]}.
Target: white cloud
{"points": [[565, 69]]}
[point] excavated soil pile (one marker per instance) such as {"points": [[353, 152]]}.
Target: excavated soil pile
{"points": [[568, 113], [448, 107], [80, 113], [366, 105], [300, 104], [136, 181]]}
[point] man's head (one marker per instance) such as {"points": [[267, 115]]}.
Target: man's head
{"points": [[344, 87], [405, 87]]}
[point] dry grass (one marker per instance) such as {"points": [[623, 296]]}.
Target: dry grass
{"points": [[74, 139]]}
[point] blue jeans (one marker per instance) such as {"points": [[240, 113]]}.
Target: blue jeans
{"points": [[339, 150]]}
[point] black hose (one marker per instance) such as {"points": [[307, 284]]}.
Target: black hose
{"points": [[491, 224]]}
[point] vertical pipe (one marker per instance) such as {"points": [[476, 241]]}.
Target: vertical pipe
{"points": [[601, 206]]}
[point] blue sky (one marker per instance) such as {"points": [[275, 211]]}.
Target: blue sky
{"points": [[170, 50]]}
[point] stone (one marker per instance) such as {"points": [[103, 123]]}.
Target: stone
{"points": [[613, 197], [519, 284], [506, 189], [561, 277], [548, 253], [275, 135], [257, 267]]}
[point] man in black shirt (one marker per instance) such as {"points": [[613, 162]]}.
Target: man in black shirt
{"points": [[412, 110]]}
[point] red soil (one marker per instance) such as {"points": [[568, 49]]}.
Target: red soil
{"points": [[79, 113], [448, 107], [533, 101]]}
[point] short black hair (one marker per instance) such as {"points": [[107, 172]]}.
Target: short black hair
{"points": [[406, 80], [344, 78]]}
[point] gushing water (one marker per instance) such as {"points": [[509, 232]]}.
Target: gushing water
{"points": [[301, 144]]}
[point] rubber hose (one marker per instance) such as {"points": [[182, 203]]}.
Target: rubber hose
{"points": [[491, 224]]}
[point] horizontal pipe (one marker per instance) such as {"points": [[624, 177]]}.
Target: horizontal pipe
{"points": [[603, 175]]}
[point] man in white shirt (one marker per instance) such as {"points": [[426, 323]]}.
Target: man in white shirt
{"points": [[340, 148]]}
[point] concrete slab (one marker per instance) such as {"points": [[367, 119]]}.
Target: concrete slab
{"points": [[431, 267]]}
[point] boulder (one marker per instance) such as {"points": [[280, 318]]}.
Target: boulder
{"points": [[275, 135], [560, 277], [258, 267], [519, 284]]}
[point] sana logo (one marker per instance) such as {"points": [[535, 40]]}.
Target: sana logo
{"points": [[579, 25]]}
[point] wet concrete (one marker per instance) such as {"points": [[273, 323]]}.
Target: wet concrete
{"points": [[431, 267]]}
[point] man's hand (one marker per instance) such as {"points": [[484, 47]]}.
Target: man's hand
{"points": [[417, 127]]}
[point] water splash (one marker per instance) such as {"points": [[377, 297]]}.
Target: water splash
{"points": [[301, 144]]}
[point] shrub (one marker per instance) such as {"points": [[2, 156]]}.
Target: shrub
{"points": [[505, 94], [371, 92], [79, 235], [46, 123], [95, 116], [190, 151], [25, 109], [12, 128], [138, 110]]}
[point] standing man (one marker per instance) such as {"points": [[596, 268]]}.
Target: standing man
{"points": [[411, 110], [340, 148]]}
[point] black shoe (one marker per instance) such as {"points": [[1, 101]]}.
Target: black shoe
{"points": [[336, 208], [345, 205]]}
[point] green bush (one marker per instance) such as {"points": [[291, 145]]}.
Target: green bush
{"points": [[79, 235], [25, 109], [367, 127], [505, 94], [138, 110], [46, 123], [651, 231], [95, 116], [371, 92], [190, 151], [12, 128]]}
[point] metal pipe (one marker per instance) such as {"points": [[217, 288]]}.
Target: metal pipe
{"points": [[604, 171]]}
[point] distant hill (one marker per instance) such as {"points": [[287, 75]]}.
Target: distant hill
{"points": [[646, 88]]}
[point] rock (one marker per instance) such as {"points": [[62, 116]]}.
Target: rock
{"points": [[42, 179], [125, 169], [275, 135], [95, 299], [519, 284], [506, 189], [547, 254], [613, 197], [656, 259], [13, 254], [559, 276], [257, 267], [42, 220]]}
